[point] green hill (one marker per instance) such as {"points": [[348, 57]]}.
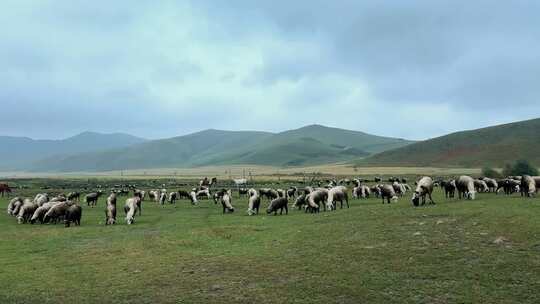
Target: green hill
{"points": [[492, 146], [309, 145]]}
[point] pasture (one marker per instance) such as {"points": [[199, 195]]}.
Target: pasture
{"points": [[482, 251]]}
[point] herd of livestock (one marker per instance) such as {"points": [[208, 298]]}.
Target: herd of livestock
{"points": [[67, 208]]}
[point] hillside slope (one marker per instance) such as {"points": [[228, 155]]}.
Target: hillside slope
{"points": [[492, 146], [309, 145]]}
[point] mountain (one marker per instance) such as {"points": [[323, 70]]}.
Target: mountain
{"points": [[313, 144], [492, 146], [20, 152]]}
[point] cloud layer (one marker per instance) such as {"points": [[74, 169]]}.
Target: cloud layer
{"points": [[414, 69]]}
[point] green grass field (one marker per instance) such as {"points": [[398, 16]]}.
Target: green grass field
{"points": [[370, 253]]}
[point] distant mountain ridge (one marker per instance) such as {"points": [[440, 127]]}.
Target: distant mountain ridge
{"points": [[492, 146], [314, 144], [19, 152]]}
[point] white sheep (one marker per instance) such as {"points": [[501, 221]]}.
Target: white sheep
{"points": [[423, 187]]}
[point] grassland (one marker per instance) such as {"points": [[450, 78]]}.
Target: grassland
{"points": [[483, 251]]}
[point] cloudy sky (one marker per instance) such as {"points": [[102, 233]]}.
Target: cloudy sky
{"points": [[412, 69]]}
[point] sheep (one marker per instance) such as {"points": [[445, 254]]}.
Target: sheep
{"points": [[480, 186], [56, 212], [361, 191], [291, 192], [41, 199], [278, 203], [398, 188], [423, 187], [218, 195], [337, 194], [110, 211], [254, 202], [465, 187], [204, 193], [140, 193], [162, 198], [40, 212], [226, 202], [130, 209], [315, 199], [269, 193], [528, 186], [60, 198], [183, 194], [14, 204], [73, 215], [26, 211], [492, 184], [153, 195], [193, 198], [73, 196], [387, 191], [300, 201], [449, 188], [242, 192], [173, 196], [92, 198], [376, 190]]}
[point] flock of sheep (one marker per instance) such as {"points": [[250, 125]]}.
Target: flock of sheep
{"points": [[66, 208]]}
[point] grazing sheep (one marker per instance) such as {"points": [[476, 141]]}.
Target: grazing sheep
{"points": [[278, 203], [41, 199], [73, 196], [92, 198], [337, 194], [254, 202], [376, 190], [300, 201], [130, 209], [162, 198], [13, 204], [73, 215], [423, 187], [361, 191], [492, 184], [387, 191], [449, 188], [315, 199], [40, 212], [56, 212], [205, 193], [291, 192], [110, 211], [270, 194], [153, 195], [173, 196], [465, 187], [528, 186], [399, 188], [182, 194], [26, 211], [480, 186], [193, 198], [242, 192], [226, 202]]}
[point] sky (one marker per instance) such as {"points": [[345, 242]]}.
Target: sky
{"points": [[155, 69]]}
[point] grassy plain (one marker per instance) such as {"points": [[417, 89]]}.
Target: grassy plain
{"points": [[482, 251]]}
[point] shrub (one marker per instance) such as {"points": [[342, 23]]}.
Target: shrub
{"points": [[520, 167], [490, 172]]}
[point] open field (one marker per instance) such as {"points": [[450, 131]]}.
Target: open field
{"points": [[370, 253], [257, 172]]}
